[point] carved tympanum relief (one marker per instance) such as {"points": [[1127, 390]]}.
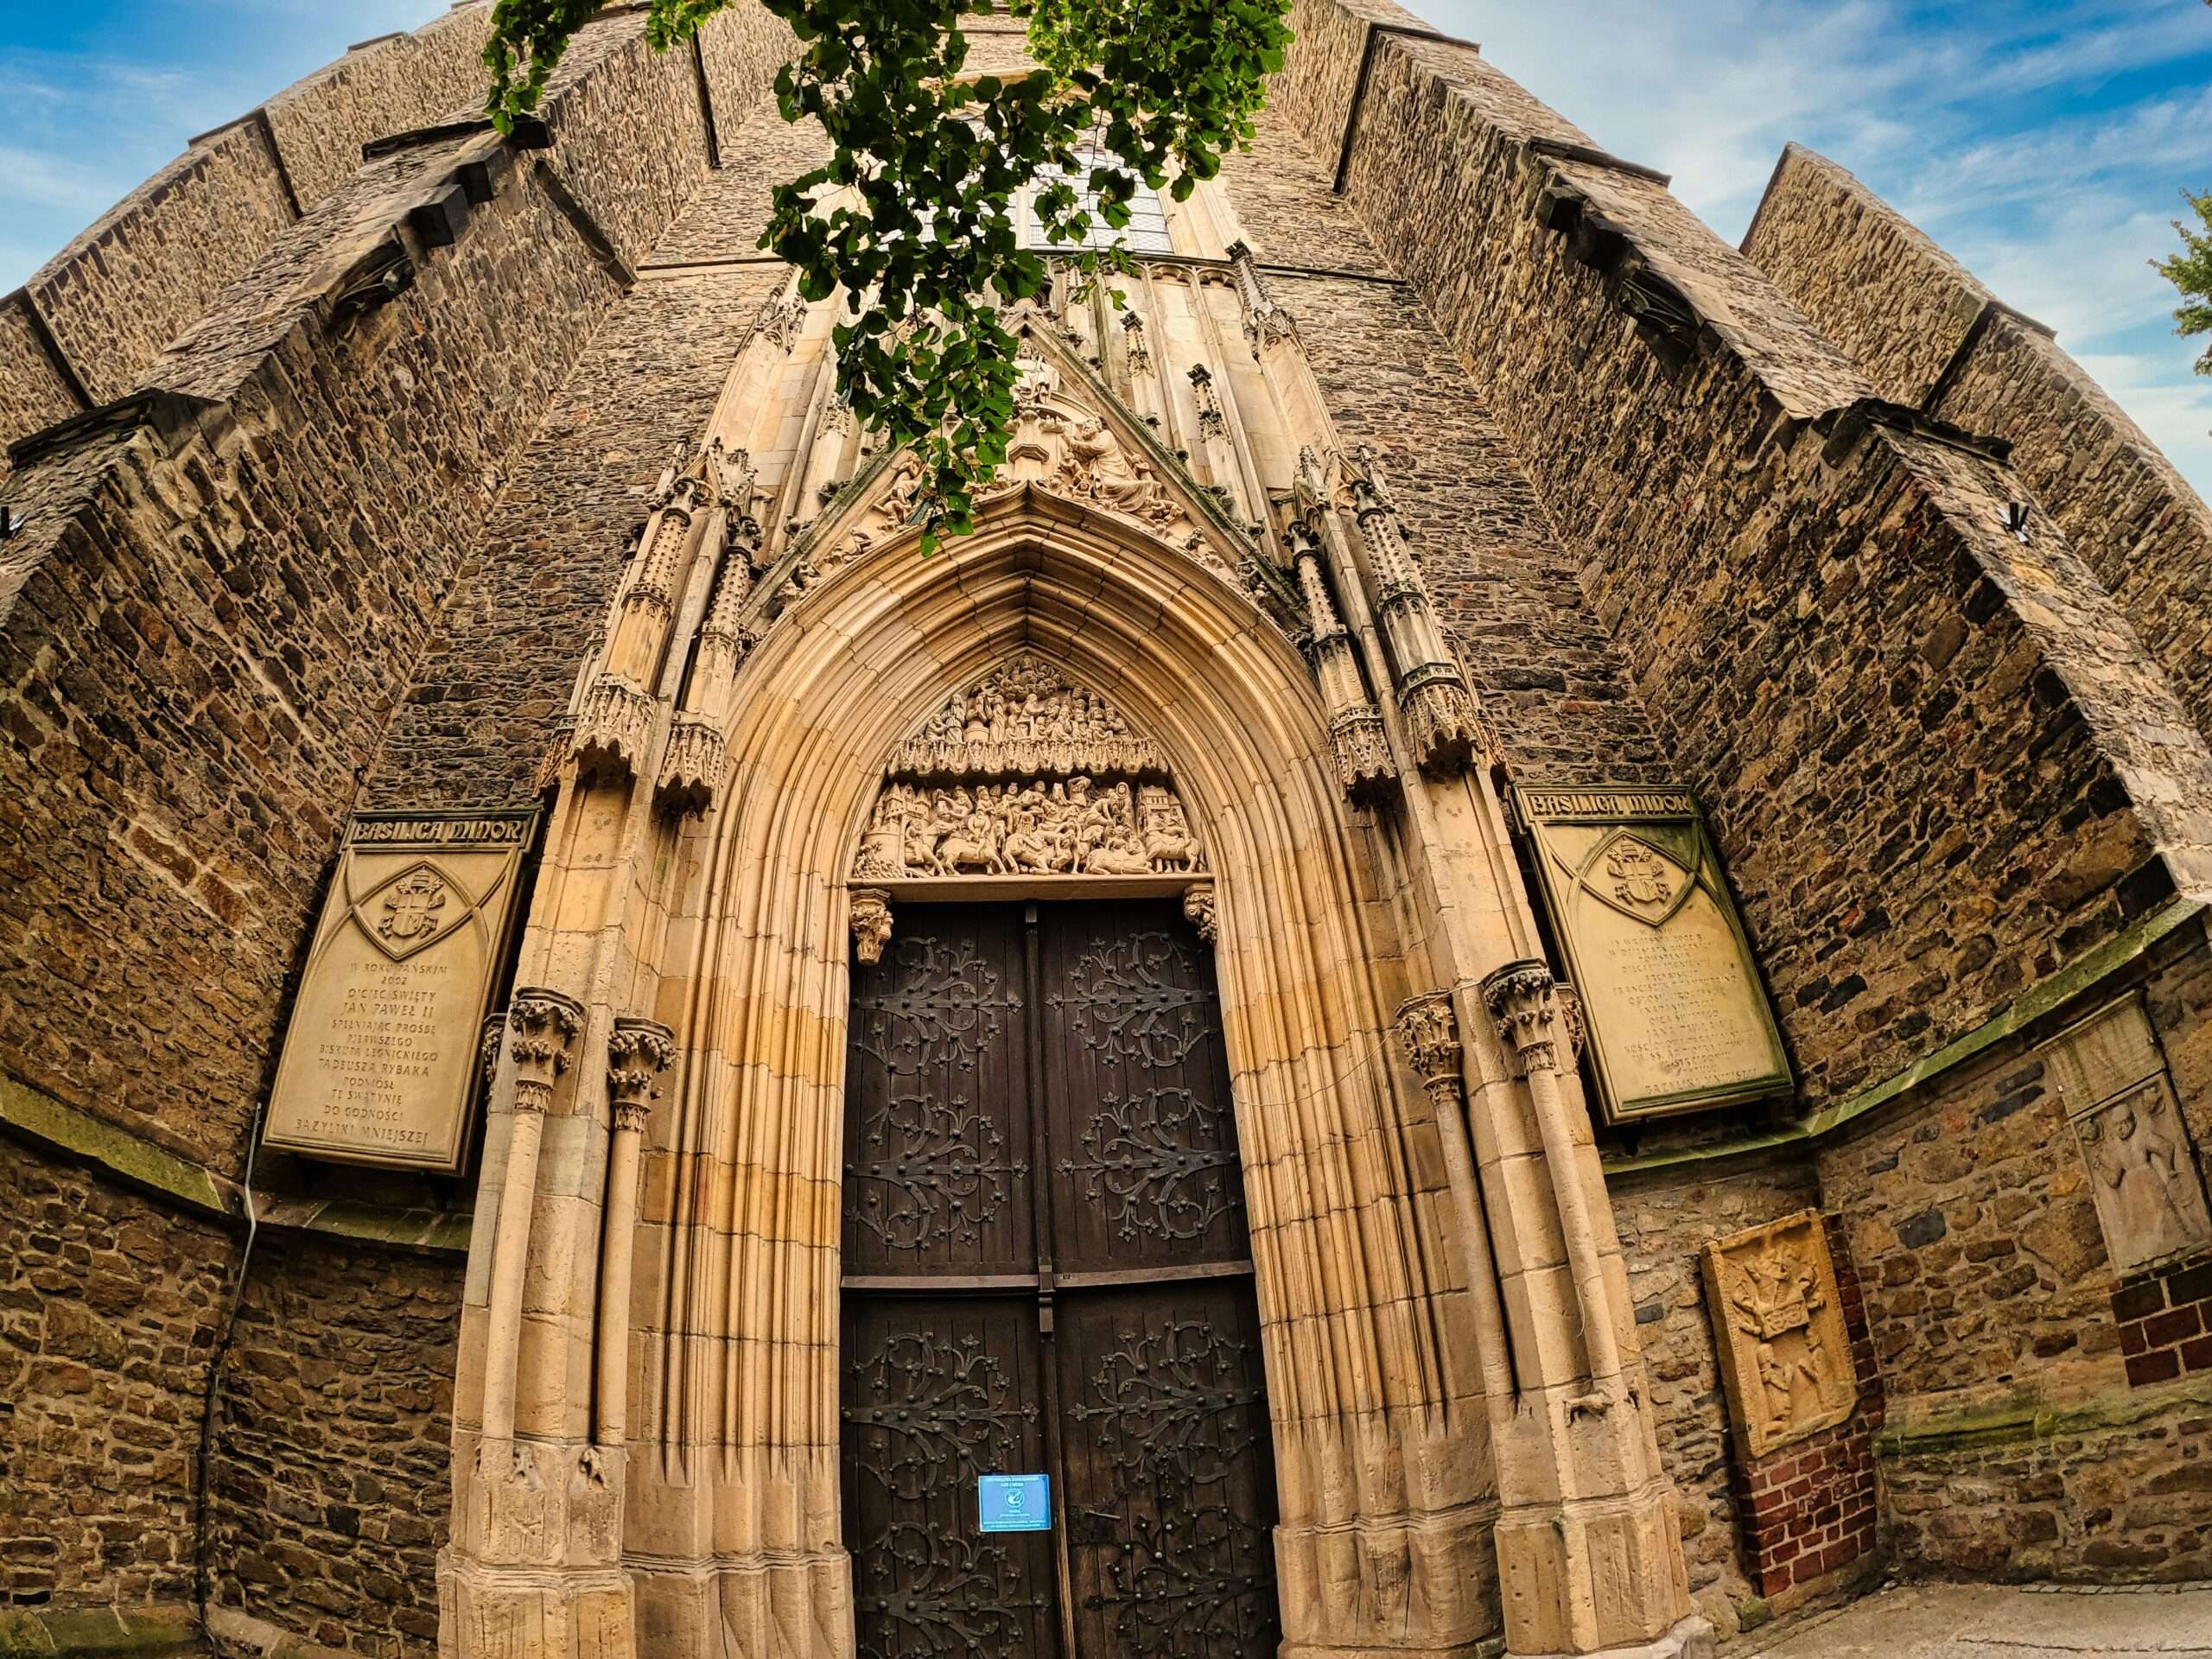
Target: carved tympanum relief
{"points": [[1785, 1356], [1024, 773], [2143, 1169]]}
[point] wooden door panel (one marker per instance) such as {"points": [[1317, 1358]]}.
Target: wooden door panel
{"points": [[1170, 1491], [938, 1127], [937, 1391], [1144, 1166]]}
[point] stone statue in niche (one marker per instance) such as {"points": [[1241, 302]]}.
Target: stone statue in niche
{"points": [[1027, 827], [1785, 1356], [2150, 1200]]}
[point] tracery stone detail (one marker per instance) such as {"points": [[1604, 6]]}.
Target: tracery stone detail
{"points": [[1025, 718]]}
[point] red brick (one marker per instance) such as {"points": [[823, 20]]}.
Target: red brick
{"points": [[2161, 1367]]}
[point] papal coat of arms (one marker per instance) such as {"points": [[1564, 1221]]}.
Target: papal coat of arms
{"points": [[412, 907], [1639, 874]]}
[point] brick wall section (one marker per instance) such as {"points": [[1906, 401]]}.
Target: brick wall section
{"points": [[333, 1442], [108, 1311], [1810, 1507], [2165, 1322], [1779, 607], [1665, 1221], [1881, 289]]}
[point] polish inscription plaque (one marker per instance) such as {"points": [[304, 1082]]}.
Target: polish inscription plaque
{"points": [[381, 1054], [1677, 1018]]}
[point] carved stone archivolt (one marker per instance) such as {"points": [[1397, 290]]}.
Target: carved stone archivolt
{"points": [[1024, 773], [1785, 1354]]}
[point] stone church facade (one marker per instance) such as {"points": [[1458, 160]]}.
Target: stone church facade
{"points": [[1515, 960]]}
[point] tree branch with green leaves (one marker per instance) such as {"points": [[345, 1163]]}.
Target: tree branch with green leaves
{"points": [[914, 216], [2190, 270]]}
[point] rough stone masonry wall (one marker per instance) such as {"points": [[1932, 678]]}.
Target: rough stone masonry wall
{"points": [[203, 655], [1546, 672], [1927, 332], [201, 637], [1880, 287], [490, 690], [1916, 781], [1665, 1221], [156, 261], [333, 1442], [2019, 1442], [109, 1306], [1930, 794]]}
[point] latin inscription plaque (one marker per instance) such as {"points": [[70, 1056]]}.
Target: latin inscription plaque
{"points": [[1676, 1016], [380, 1058]]}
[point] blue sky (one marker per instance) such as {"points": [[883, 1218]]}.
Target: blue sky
{"points": [[2043, 142]]}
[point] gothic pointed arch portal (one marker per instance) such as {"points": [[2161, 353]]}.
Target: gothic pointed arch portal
{"points": [[647, 1433], [733, 1509]]}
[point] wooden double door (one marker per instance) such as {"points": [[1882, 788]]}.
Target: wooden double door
{"points": [[1047, 1271]]}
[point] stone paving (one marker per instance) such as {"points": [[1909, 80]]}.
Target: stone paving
{"points": [[1961, 1621]]}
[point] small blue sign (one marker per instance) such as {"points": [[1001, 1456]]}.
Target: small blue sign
{"points": [[1015, 1503]]}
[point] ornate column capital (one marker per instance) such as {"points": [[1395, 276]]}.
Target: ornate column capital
{"points": [[1525, 998], [871, 919], [1429, 1031], [1198, 909], [541, 1025], [638, 1051]]}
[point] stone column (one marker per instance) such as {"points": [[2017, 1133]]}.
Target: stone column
{"points": [[637, 1053], [542, 1024]]}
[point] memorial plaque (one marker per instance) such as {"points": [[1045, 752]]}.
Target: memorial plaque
{"points": [[1676, 1016], [380, 1058]]}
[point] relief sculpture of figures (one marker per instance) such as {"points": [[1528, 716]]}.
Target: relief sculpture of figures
{"points": [[2144, 1177], [1035, 827]]}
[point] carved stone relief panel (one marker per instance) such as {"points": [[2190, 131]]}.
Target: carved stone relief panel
{"points": [[382, 1051], [1024, 773], [2143, 1169], [1785, 1356]]}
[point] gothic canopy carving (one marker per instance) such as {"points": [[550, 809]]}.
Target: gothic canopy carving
{"points": [[1058, 443], [1024, 774]]}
